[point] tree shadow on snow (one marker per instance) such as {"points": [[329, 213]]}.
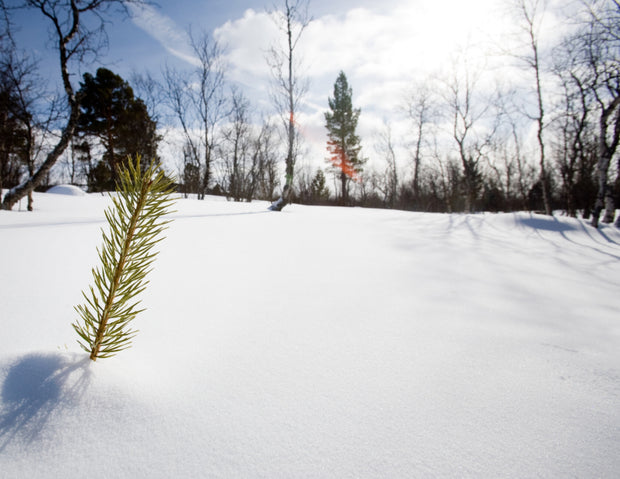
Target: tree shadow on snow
{"points": [[547, 224], [217, 215], [552, 224], [36, 387]]}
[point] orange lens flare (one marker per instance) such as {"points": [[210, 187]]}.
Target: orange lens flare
{"points": [[340, 160]]}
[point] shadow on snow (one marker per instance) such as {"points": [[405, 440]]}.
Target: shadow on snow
{"points": [[36, 387], [97, 221], [547, 224]]}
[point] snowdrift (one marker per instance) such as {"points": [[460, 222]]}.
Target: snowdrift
{"points": [[69, 190]]}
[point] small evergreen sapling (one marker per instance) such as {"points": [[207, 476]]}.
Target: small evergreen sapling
{"points": [[135, 225]]}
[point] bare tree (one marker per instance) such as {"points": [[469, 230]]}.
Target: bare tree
{"points": [[289, 87], [303, 184], [175, 88], [599, 41], [266, 157], [22, 129], [209, 97], [77, 31], [444, 180], [419, 108], [235, 150], [370, 188], [198, 103], [148, 89], [518, 175], [524, 171], [385, 147], [531, 13], [18, 90], [467, 110], [573, 126]]}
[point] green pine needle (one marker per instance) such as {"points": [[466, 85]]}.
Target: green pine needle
{"points": [[135, 226]]}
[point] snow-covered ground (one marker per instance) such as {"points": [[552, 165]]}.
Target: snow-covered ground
{"points": [[316, 342]]}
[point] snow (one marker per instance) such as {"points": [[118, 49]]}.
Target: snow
{"points": [[316, 342], [70, 190]]}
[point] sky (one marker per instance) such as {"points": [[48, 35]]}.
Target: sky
{"points": [[383, 48]]}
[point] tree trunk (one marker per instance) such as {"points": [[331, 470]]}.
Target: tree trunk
{"points": [[539, 135], [17, 193], [604, 197], [416, 166], [530, 16], [20, 191], [285, 197], [290, 14], [343, 181], [204, 190], [610, 210]]}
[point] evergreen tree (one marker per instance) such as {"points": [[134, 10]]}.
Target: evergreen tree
{"points": [[318, 187], [111, 114], [343, 143], [14, 132], [191, 171]]}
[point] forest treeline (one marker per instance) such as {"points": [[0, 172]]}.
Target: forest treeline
{"points": [[546, 141]]}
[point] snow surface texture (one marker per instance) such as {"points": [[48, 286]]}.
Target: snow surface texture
{"points": [[316, 342]]}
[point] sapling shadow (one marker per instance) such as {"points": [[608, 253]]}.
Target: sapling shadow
{"points": [[35, 387]]}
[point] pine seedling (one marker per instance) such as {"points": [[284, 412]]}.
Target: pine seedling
{"points": [[135, 222]]}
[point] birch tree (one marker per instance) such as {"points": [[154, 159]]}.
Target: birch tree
{"points": [[198, 103], [289, 87], [419, 109], [600, 53], [386, 149], [531, 13], [467, 110], [574, 131], [235, 151]]}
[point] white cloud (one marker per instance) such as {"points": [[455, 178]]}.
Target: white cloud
{"points": [[247, 40], [381, 51], [164, 30], [378, 51]]}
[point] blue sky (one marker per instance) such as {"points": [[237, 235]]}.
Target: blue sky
{"points": [[383, 47], [135, 45]]}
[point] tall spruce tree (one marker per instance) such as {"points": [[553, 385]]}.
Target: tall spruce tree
{"points": [[343, 143]]}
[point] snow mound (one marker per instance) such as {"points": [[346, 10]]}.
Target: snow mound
{"points": [[69, 190]]}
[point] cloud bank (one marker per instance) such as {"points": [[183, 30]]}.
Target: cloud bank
{"points": [[382, 51]]}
